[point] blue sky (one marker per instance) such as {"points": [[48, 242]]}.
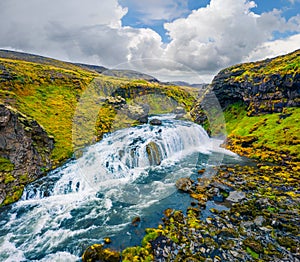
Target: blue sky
{"points": [[188, 40], [134, 16]]}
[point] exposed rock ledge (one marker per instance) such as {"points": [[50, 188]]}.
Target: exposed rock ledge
{"points": [[25, 150]]}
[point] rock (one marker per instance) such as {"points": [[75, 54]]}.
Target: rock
{"points": [[135, 221], [107, 240], [98, 253], [136, 112], [154, 154], [143, 119], [221, 186], [26, 147], [184, 184], [236, 196], [254, 244], [201, 171], [179, 110], [116, 101], [259, 221], [155, 122]]}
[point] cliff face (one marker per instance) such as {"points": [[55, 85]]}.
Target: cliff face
{"points": [[261, 108], [265, 87], [25, 150]]}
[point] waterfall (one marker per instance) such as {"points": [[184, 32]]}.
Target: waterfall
{"points": [[97, 195], [124, 154]]}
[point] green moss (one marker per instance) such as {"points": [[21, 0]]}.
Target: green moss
{"points": [[24, 179], [282, 137], [16, 193], [9, 178], [151, 234], [252, 253], [135, 254], [6, 165]]}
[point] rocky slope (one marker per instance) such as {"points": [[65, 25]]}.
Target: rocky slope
{"points": [[75, 104], [265, 87], [25, 150], [260, 101]]}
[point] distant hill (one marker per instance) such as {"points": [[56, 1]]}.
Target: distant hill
{"points": [[182, 83], [36, 59], [121, 73], [131, 74]]}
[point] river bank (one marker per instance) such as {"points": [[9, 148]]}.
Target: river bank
{"points": [[260, 102]]}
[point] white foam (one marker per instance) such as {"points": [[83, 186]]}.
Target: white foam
{"points": [[10, 251], [112, 168], [60, 257]]}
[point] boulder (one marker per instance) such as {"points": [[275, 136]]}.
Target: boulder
{"points": [[96, 252], [155, 122], [236, 196], [184, 184], [154, 154]]}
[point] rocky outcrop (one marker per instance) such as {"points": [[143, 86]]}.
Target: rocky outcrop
{"points": [[265, 87], [25, 150], [154, 154]]}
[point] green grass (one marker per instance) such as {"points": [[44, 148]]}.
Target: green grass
{"points": [[278, 132]]}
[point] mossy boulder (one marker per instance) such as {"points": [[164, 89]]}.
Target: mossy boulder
{"points": [[96, 253]]}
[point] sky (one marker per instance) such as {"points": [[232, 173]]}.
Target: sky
{"points": [[188, 40]]}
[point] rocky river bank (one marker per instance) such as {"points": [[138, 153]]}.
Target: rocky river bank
{"points": [[261, 224]]}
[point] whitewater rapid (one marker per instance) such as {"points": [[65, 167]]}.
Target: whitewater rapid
{"points": [[97, 195]]}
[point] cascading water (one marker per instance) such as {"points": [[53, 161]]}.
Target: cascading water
{"points": [[127, 174]]}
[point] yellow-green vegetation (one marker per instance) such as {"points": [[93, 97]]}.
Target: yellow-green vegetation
{"points": [[14, 195], [51, 95], [6, 165], [96, 252], [269, 137], [282, 65], [143, 252]]}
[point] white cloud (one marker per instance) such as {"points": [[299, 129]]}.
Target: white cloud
{"points": [[274, 48], [213, 37], [222, 33], [74, 30], [294, 1]]}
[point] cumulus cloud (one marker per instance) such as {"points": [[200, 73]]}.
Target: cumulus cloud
{"points": [[223, 33], [274, 48], [74, 30]]}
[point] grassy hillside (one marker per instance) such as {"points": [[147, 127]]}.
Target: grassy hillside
{"points": [[268, 137], [261, 103], [50, 94]]}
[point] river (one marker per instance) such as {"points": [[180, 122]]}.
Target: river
{"points": [[130, 173]]}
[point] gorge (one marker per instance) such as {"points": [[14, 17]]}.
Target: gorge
{"points": [[235, 209]]}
